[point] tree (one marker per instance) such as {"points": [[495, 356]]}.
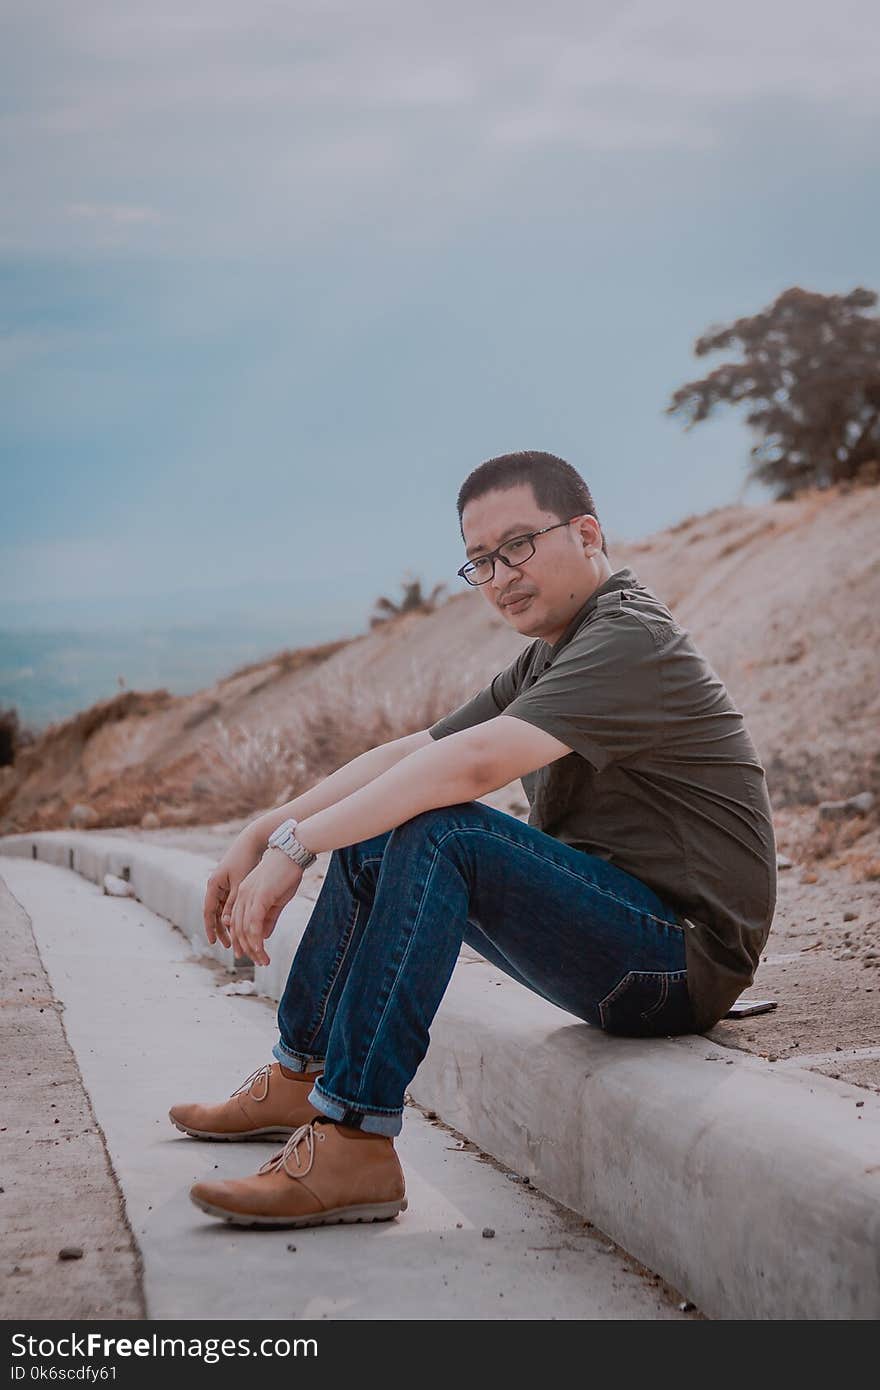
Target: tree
{"points": [[810, 372], [413, 601]]}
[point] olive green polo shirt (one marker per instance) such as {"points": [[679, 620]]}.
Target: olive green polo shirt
{"points": [[663, 779]]}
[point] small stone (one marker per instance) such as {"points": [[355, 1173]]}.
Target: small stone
{"points": [[458, 1225], [70, 1252], [846, 955], [850, 916], [783, 862], [117, 887], [488, 1233], [840, 810], [809, 877], [292, 1248], [859, 1104], [686, 1307]]}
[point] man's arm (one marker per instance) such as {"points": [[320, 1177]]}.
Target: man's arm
{"points": [[339, 784], [458, 768], [461, 767], [376, 761]]}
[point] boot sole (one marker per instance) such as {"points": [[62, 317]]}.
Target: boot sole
{"points": [[379, 1211], [274, 1132]]}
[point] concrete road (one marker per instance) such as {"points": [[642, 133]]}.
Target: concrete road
{"points": [[149, 1024]]}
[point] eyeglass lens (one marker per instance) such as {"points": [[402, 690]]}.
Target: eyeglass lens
{"points": [[479, 571]]}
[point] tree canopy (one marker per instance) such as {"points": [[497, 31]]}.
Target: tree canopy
{"points": [[810, 374]]}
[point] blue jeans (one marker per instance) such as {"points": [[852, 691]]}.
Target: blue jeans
{"points": [[393, 912]]}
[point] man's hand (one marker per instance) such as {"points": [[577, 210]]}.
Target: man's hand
{"points": [[259, 902], [222, 887]]}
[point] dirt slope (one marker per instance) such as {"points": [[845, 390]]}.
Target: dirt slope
{"points": [[784, 599]]}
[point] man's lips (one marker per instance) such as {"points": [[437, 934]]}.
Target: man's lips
{"points": [[514, 599]]}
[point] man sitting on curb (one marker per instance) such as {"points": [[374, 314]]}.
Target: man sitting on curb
{"points": [[638, 897]]}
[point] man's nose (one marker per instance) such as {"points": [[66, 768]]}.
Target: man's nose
{"points": [[504, 575]]}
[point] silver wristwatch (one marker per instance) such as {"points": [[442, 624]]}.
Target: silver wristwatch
{"points": [[283, 838]]}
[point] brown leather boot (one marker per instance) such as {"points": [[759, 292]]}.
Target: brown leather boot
{"points": [[266, 1105], [326, 1173]]}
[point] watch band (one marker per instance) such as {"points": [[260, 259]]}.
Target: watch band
{"points": [[284, 839]]}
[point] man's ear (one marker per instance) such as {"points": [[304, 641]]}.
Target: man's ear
{"points": [[592, 541]]}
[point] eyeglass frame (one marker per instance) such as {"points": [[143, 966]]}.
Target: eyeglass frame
{"points": [[495, 555]]}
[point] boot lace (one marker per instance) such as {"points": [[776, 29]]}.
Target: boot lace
{"points": [[262, 1073], [305, 1133]]}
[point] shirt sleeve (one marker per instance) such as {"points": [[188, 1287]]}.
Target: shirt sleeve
{"points": [[492, 700], [602, 695]]}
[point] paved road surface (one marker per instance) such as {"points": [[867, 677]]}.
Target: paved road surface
{"points": [[148, 1024]]}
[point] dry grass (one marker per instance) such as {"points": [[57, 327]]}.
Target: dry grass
{"points": [[243, 773]]}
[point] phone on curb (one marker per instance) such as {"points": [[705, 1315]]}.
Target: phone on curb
{"points": [[744, 1008]]}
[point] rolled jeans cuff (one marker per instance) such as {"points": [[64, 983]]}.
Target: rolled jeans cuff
{"points": [[355, 1116], [296, 1061]]}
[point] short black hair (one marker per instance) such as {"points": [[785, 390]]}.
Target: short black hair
{"points": [[557, 487]]}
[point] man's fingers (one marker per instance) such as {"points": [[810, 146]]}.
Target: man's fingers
{"points": [[253, 933], [238, 927], [270, 921], [211, 907], [226, 914], [235, 920]]}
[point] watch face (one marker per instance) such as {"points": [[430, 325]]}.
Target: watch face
{"points": [[283, 835]]}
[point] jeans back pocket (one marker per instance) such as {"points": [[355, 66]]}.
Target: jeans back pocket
{"points": [[648, 1003]]}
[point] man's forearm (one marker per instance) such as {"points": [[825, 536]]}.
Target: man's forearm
{"points": [[439, 774], [359, 772]]}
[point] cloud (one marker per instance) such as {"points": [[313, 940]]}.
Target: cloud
{"points": [[273, 125]]}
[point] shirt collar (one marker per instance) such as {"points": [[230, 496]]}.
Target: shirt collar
{"points": [[620, 579]]}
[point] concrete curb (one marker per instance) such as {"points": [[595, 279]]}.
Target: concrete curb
{"points": [[753, 1188]]}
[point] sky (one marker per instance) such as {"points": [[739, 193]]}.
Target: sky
{"points": [[276, 277]]}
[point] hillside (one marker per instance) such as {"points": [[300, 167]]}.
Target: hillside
{"points": [[783, 598]]}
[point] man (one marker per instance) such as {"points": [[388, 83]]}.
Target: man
{"points": [[638, 897]]}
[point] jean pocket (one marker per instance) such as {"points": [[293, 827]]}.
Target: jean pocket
{"points": [[646, 1003]]}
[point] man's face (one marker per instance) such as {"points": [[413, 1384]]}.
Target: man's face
{"points": [[557, 578]]}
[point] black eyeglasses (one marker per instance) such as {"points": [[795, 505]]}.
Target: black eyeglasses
{"points": [[513, 552]]}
